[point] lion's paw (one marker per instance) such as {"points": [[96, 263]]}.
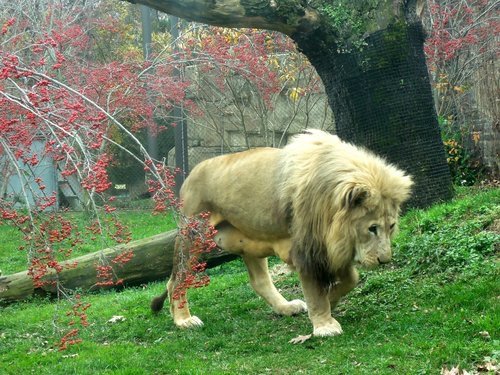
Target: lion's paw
{"points": [[294, 307], [331, 329], [191, 322]]}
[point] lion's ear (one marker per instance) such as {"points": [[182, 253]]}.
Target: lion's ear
{"points": [[356, 196]]}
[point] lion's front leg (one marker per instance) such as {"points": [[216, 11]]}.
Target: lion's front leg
{"points": [[346, 283], [262, 283], [319, 309]]}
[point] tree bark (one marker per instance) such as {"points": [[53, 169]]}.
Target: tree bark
{"points": [[377, 83], [285, 16], [152, 261]]}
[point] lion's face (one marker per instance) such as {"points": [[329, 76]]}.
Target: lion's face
{"points": [[373, 239]]}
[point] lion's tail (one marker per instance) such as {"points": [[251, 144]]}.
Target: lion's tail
{"points": [[157, 302]]}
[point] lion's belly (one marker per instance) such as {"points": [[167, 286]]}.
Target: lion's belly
{"points": [[234, 241], [264, 227]]}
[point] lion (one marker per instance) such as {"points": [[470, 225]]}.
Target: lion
{"points": [[322, 205]]}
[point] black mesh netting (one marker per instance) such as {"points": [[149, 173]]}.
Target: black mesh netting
{"points": [[381, 98]]}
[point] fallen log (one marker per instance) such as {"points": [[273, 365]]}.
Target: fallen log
{"points": [[152, 261]]}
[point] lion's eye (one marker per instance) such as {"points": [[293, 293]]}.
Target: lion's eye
{"points": [[392, 226], [373, 229]]}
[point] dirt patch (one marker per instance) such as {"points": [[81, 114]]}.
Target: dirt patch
{"points": [[494, 227], [281, 269]]}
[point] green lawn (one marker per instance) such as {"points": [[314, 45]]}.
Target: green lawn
{"points": [[436, 305]]}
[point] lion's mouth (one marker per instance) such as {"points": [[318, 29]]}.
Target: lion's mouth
{"points": [[355, 260], [366, 265]]}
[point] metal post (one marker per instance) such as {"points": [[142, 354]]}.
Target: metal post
{"points": [[146, 31], [180, 131], [152, 141]]}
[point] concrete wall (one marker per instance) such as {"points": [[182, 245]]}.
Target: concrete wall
{"points": [[239, 118], [21, 188]]}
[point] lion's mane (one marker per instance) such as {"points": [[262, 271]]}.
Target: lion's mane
{"points": [[325, 185]]}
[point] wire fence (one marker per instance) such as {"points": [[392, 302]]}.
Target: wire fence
{"points": [[233, 119]]}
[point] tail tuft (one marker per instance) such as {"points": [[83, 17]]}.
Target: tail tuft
{"points": [[157, 303]]}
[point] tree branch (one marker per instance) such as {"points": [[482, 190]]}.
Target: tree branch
{"points": [[287, 17]]}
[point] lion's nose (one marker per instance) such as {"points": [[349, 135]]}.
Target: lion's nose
{"points": [[384, 260]]}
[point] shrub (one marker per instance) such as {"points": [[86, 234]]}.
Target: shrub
{"points": [[450, 237], [463, 157]]}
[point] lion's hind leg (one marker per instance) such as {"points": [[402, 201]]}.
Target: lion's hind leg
{"points": [[262, 284], [176, 291]]}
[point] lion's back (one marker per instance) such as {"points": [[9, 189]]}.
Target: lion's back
{"points": [[241, 187]]}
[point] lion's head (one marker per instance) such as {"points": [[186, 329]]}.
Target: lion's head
{"points": [[345, 203], [374, 221]]}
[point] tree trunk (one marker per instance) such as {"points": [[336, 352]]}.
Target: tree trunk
{"points": [[152, 261], [379, 91], [381, 97]]}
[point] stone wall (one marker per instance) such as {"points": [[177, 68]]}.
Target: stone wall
{"points": [[239, 119], [487, 117]]}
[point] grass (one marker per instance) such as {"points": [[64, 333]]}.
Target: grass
{"points": [[430, 308]]}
